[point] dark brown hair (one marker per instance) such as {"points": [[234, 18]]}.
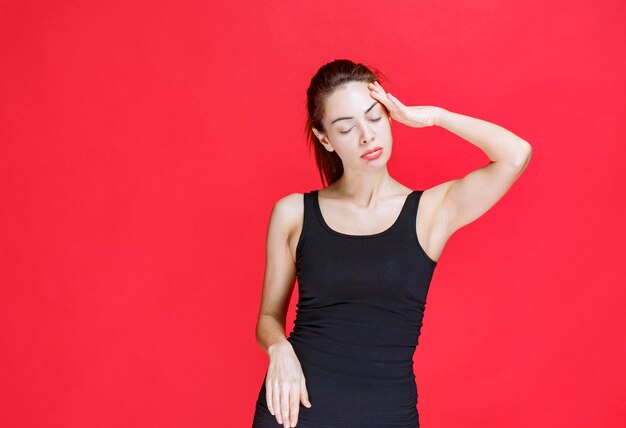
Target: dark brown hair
{"points": [[330, 77]]}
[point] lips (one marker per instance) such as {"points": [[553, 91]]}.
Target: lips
{"points": [[371, 151]]}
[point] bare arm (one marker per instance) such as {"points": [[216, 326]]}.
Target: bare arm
{"points": [[465, 199], [285, 383], [456, 203], [280, 272]]}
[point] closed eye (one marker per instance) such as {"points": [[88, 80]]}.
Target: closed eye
{"points": [[373, 120]]}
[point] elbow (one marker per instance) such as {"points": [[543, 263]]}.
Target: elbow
{"points": [[523, 155]]}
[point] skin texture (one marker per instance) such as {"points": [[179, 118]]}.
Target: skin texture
{"points": [[367, 200]]}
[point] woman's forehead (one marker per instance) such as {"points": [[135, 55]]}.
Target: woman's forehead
{"points": [[352, 99]]}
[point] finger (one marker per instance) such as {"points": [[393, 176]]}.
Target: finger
{"points": [[284, 403], [268, 397], [294, 403], [276, 399], [374, 90], [304, 393], [376, 86], [382, 98], [381, 91], [394, 99], [394, 103], [380, 87]]}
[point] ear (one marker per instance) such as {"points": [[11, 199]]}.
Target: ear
{"points": [[323, 140], [318, 134]]}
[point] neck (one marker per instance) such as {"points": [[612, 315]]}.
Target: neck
{"points": [[365, 186]]}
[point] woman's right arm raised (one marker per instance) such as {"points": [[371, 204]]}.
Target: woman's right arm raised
{"points": [[285, 383]]}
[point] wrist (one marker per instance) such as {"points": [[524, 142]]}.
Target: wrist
{"points": [[439, 116], [277, 345]]}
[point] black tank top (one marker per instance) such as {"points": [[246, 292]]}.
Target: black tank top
{"points": [[358, 319]]}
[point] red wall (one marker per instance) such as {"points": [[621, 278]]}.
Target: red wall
{"points": [[143, 144]]}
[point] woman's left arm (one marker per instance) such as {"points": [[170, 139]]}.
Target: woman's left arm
{"points": [[461, 201], [467, 198]]}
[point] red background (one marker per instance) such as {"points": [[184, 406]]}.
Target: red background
{"points": [[143, 144]]}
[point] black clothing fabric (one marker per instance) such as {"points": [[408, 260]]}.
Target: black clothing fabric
{"points": [[358, 318]]}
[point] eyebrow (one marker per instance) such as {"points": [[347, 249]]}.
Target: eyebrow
{"points": [[352, 117]]}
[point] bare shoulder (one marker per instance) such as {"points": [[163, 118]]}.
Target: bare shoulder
{"points": [[289, 209], [287, 218]]}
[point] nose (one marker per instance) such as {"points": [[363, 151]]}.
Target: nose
{"points": [[367, 135]]}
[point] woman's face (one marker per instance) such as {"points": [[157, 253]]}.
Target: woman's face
{"points": [[356, 123]]}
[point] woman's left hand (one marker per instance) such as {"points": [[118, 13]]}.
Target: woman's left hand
{"points": [[416, 117]]}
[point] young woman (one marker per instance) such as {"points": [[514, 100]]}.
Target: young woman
{"points": [[363, 249]]}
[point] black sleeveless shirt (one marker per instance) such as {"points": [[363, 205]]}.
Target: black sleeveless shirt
{"points": [[358, 319]]}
